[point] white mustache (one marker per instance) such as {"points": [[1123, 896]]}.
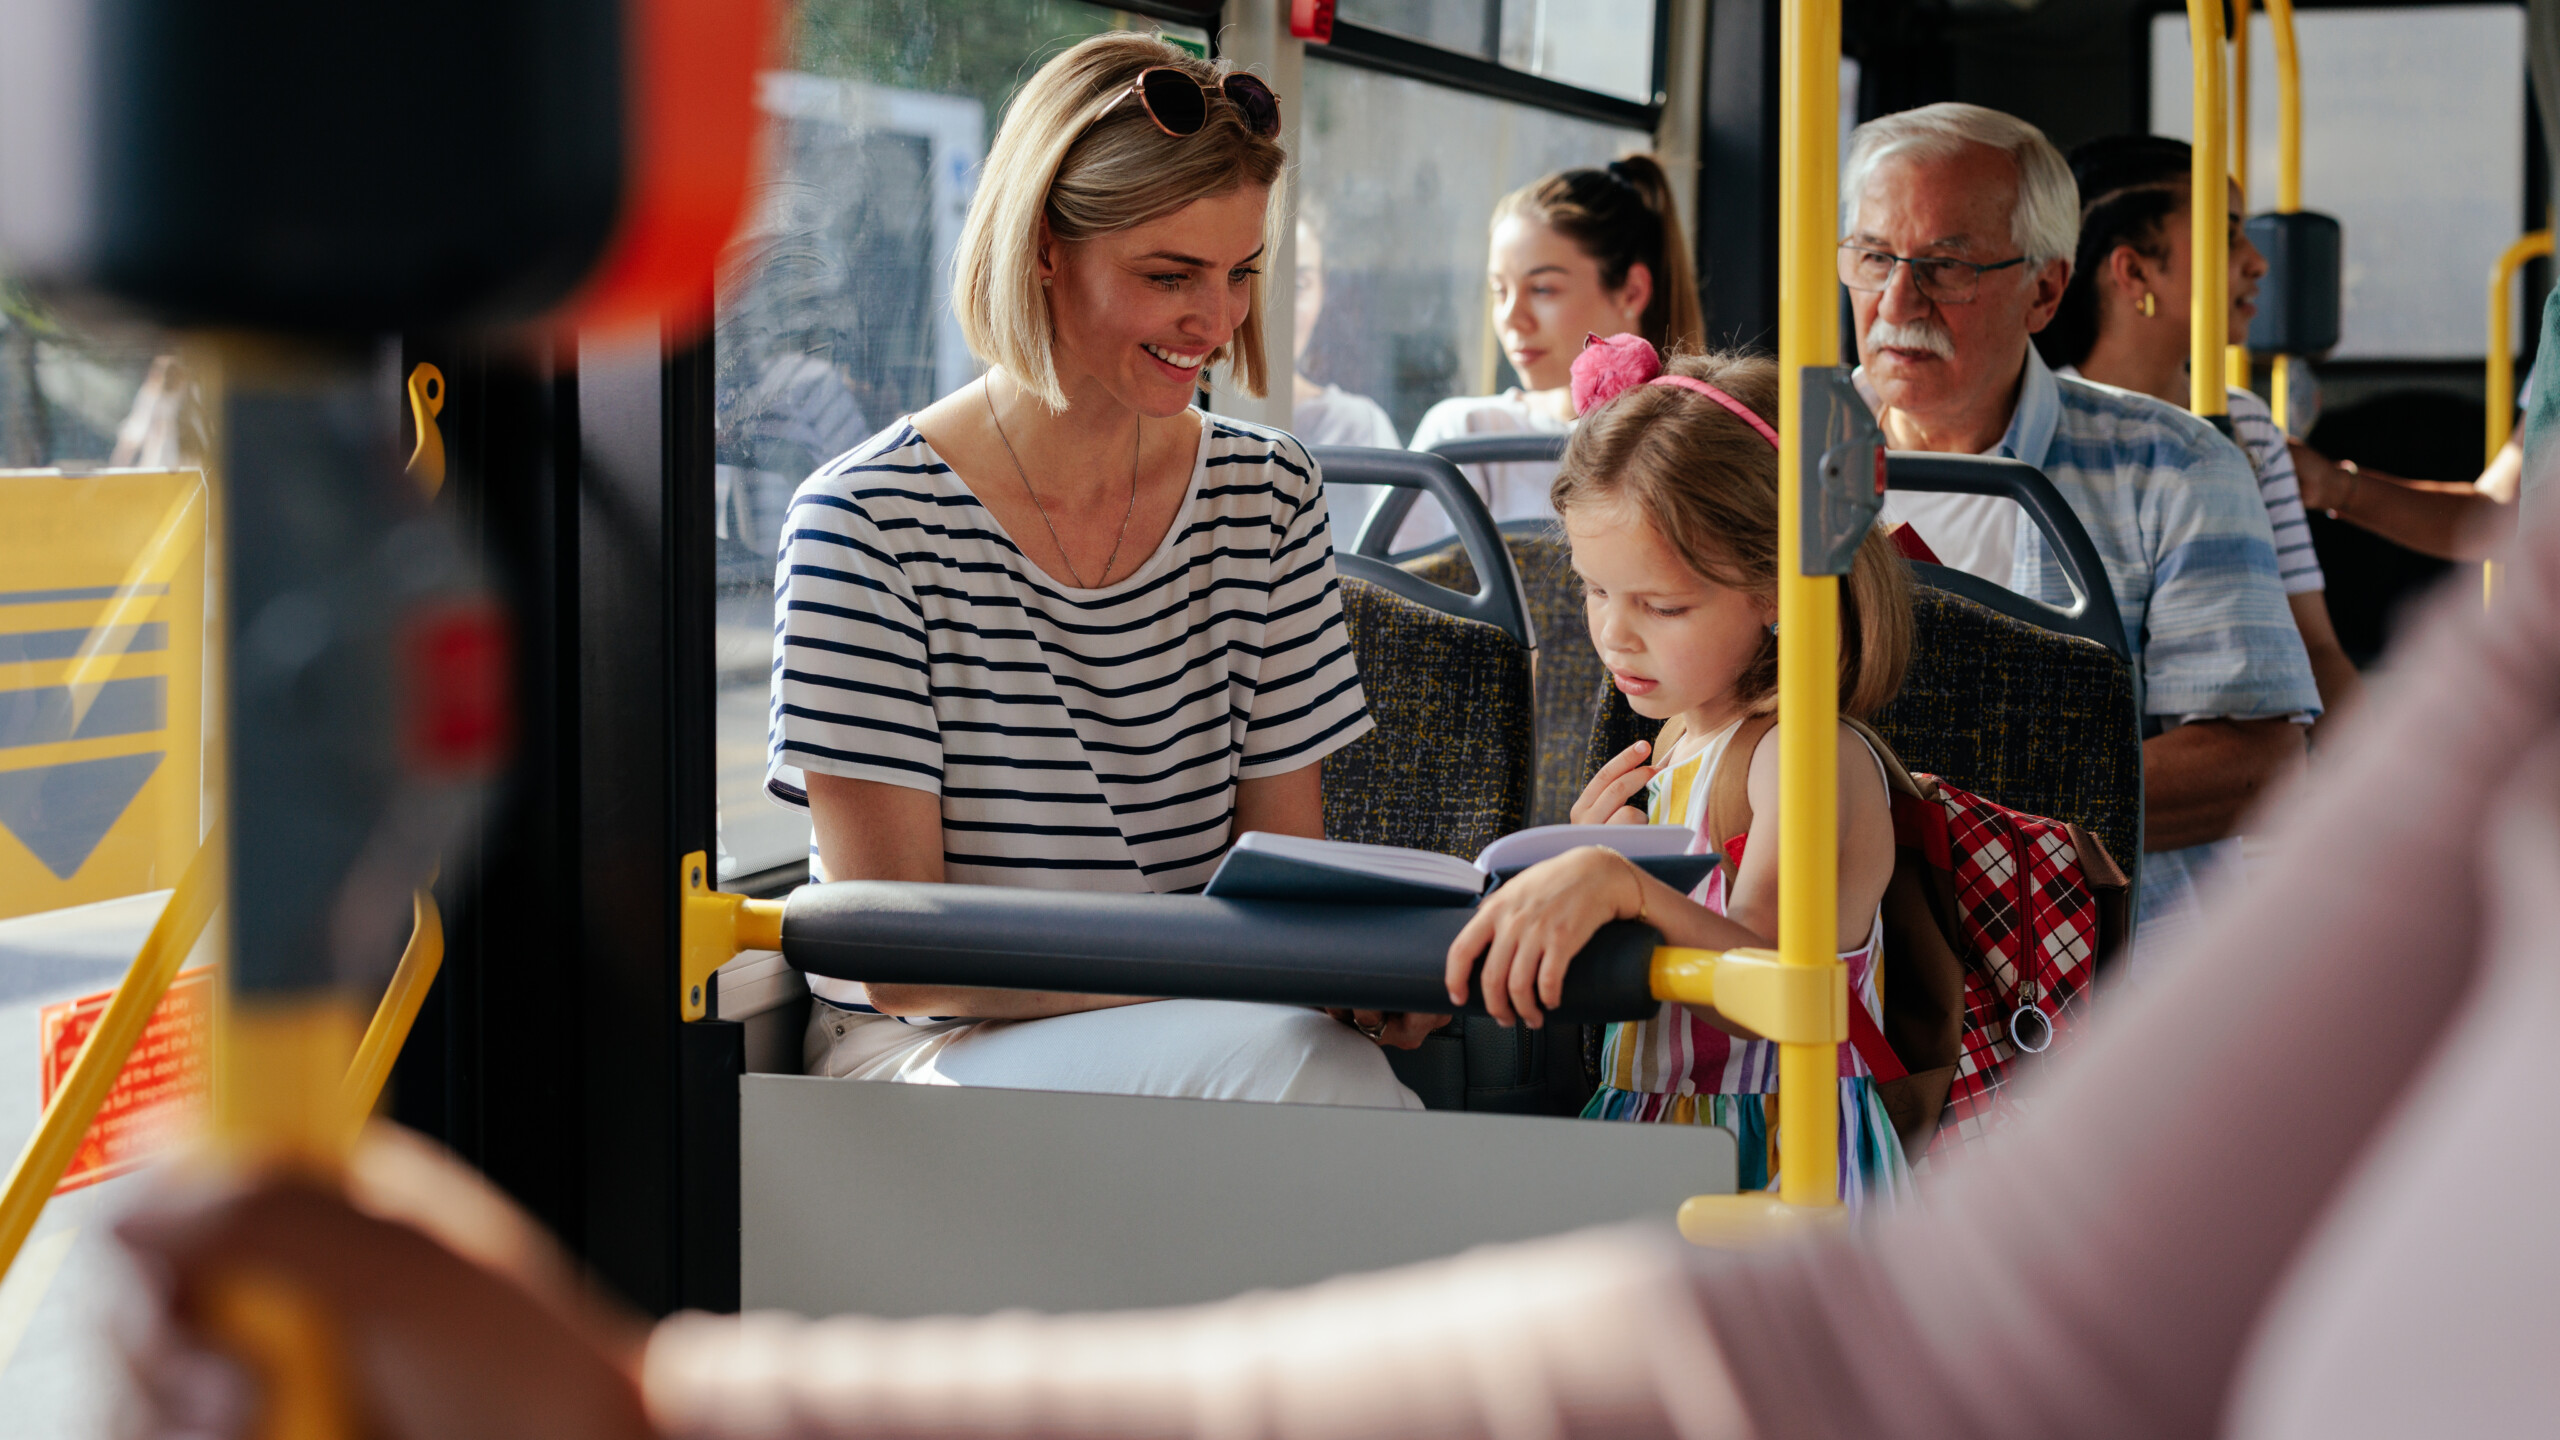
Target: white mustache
{"points": [[1926, 335]]}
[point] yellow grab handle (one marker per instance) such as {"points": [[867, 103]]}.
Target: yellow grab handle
{"points": [[102, 1056], [426, 402], [398, 1012], [717, 925]]}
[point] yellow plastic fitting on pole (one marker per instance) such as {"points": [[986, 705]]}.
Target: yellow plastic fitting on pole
{"points": [[2209, 316], [717, 925], [398, 1012], [102, 1056], [1759, 991]]}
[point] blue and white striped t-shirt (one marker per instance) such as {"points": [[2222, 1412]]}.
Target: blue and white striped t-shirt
{"points": [[2254, 427], [1078, 739]]}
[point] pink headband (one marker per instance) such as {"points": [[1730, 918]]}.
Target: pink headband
{"points": [[1607, 369]]}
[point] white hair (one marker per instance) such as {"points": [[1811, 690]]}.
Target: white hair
{"points": [[2044, 219]]}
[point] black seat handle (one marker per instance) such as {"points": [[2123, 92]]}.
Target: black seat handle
{"points": [[1378, 532], [2093, 615], [1500, 599]]}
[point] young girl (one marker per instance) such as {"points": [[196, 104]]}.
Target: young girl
{"points": [[1669, 493]]}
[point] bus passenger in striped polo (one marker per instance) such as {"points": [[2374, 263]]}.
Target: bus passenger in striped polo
{"points": [[1062, 629]]}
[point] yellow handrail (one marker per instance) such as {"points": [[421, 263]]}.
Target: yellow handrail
{"points": [[2235, 357], [102, 1056], [2288, 107], [2209, 314], [2288, 168], [392, 1019], [2502, 343]]}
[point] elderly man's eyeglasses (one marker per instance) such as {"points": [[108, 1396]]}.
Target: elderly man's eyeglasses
{"points": [[1949, 282]]}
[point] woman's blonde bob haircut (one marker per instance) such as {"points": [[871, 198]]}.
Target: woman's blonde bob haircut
{"points": [[1052, 160]]}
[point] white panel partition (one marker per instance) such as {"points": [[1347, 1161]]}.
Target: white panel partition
{"points": [[897, 1200]]}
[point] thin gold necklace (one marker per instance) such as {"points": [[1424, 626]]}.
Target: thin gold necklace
{"points": [[1135, 434]]}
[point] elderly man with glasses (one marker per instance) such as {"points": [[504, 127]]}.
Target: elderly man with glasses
{"points": [[1960, 225]]}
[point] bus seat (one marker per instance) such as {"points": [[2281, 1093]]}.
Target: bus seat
{"points": [[1567, 665], [1449, 766], [1568, 668], [2033, 718]]}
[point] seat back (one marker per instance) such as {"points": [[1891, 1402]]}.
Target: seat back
{"points": [[1449, 765], [1568, 666]]}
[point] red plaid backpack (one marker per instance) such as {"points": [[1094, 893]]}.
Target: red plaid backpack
{"points": [[1995, 921]]}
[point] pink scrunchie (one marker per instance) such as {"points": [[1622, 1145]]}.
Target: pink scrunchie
{"points": [[1607, 369]]}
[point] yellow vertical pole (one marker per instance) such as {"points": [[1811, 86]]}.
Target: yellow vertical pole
{"points": [[1808, 606], [2209, 316], [2235, 359], [2288, 165]]}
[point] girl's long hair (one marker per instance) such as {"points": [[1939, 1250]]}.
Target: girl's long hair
{"points": [[1708, 484]]}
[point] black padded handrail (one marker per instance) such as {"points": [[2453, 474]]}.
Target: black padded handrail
{"points": [[1378, 532], [2092, 616], [1500, 600], [1365, 957]]}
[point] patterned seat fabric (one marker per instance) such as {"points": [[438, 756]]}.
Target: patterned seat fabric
{"points": [[1568, 668], [1447, 769], [2035, 720]]}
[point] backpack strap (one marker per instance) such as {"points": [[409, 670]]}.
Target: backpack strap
{"points": [[1729, 789]]}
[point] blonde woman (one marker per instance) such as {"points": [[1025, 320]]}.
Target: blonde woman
{"points": [[1061, 629]]}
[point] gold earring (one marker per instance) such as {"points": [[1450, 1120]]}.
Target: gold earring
{"points": [[2150, 305]]}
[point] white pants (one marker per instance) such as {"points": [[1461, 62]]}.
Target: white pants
{"points": [[1201, 1049]]}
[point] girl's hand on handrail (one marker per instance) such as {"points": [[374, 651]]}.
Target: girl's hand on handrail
{"points": [[1529, 930], [1605, 800]]}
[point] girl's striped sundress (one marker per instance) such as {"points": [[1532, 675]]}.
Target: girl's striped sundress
{"points": [[1677, 1068]]}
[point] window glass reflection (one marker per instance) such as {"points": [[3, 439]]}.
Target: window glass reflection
{"points": [[1604, 45], [2381, 89], [833, 313]]}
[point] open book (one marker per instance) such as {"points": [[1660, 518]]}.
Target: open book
{"points": [[1264, 866]]}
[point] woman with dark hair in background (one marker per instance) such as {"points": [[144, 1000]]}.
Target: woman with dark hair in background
{"points": [[2124, 322], [1576, 254]]}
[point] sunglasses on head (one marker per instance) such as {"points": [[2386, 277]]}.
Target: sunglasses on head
{"points": [[1179, 103]]}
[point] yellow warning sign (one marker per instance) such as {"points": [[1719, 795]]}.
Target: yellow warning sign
{"points": [[102, 660]]}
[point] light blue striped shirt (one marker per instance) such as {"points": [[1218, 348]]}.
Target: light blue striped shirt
{"points": [[2175, 512]]}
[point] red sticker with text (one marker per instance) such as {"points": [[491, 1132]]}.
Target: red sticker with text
{"points": [[165, 1092]]}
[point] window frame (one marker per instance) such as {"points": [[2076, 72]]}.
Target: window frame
{"points": [[1370, 48]]}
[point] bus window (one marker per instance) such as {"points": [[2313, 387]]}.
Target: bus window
{"points": [[2382, 89], [1603, 45], [833, 319], [106, 795], [1403, 216]]}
